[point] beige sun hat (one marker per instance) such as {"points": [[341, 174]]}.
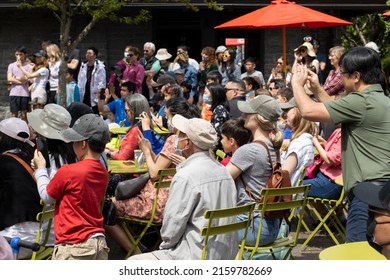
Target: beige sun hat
{"points": [[163, 54], [310, 49]]}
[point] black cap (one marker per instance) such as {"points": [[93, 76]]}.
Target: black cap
{"points": [[373, 194], [40, 53], [164, 79], [78, 109]]}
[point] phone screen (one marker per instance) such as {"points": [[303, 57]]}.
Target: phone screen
{"points": [[41, 146]]}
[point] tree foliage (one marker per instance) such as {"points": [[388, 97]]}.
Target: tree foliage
{"points": [[97, 10], [370, 27]]}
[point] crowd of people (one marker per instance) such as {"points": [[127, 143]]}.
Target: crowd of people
{"points": [[219, 103]]}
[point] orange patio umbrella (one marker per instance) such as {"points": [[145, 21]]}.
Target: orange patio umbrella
{"points": [[282, 14]]}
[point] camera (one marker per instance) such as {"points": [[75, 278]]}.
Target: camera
{"points": [[313, 69]]}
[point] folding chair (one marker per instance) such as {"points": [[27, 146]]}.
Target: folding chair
{"points": [[351, 251], [299, 194], [45, 219], [330, 218], [215, 226], [220, 155], [147, 226]]}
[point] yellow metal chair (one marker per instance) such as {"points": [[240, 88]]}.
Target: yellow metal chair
{"points": [[220, 155], [216, 225], [351, 251], [286, 244], [147, 226], [45, 219], [330, 218]]}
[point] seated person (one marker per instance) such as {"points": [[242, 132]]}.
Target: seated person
{"points": [[141, 205], [234, 135]]}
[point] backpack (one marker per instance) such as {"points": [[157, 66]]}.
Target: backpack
{"points": [[279, 179]]}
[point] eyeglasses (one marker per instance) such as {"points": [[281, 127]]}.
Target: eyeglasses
{"points": [[146, 50], [227, 89], [280, 62], [271, 88], [378, 212]]}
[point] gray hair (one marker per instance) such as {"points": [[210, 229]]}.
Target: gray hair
{"points": [[150, 45], [138, 103]]}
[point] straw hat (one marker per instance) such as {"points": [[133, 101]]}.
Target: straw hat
{"points": [[310, 49]]}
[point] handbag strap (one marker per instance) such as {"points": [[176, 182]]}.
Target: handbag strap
{"points": [[22, 162]]}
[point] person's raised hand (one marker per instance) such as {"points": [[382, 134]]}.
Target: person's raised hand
{"points": [[314, 82], [300, 76], [38, 161], [176, 159]]}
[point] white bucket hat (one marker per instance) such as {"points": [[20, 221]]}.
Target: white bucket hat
{"points": [[163, 54]]}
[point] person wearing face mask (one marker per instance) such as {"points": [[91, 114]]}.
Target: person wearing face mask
{"points": [[141, 205], [134, 71], [197, 179], [377, 196], [208, 63]]}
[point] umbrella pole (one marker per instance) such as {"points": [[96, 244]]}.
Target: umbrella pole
{"points": [[284, 54]]}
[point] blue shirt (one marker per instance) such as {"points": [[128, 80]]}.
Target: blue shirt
{"points": [[118, 108]]}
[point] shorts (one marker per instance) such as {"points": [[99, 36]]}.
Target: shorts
{"points": [[19, 103], [95, 248]]}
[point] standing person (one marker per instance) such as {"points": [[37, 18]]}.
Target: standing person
{"points": [[40, 75], [228, 68], [72, 89], [73, 59], [183, 49], [19, 94], [151, 65], [235, 92], [134, 71], [305, 54], [189, 197], [91, 79], [219, 54], [250, 67], [364, 114], [54, 59], [277, 71], [208, 63], [321, 59], [78, 190], [190, 75], [166, 65]]}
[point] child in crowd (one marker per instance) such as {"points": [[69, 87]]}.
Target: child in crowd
{"points": [[234, 135], [72, 89], [78, 190]]}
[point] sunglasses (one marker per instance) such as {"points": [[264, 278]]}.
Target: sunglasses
{"points": [[302, 50], [228, 89], [271, 88], [226, 55], [280, 63], [130, 54]]}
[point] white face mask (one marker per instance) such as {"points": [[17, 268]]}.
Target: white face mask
{"points": [[125, 54], [178, 151]]}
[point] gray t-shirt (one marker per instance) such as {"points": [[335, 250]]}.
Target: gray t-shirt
{"points": [[252, 159], [365, 135]]}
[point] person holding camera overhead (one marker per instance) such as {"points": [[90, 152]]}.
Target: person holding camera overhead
{"points": [[305, 54], [91, 79]]}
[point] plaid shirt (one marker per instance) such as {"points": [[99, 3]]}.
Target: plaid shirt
{"points": [[334, 83]]}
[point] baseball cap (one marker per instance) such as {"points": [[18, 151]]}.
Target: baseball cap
{"points": [[87, 127], [220, 49], [263, 105], [49, 120], [200, 131], [164, 79], [288, 105], [373, 194], [40, 53], [118, 67], [17, 129]]}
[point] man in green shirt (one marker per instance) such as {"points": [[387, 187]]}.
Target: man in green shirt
{"points": [[364, 114]]}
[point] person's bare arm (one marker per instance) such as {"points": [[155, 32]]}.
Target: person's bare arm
{"points": [[310, 110]]}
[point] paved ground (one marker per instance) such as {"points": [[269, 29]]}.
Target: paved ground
{"points": [[311, 252]]}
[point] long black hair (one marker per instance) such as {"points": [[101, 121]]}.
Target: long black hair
{"points": [[218, 96]]}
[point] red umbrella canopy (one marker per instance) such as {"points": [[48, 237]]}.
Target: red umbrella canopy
{"points": [[387, 14], [283, 13]]}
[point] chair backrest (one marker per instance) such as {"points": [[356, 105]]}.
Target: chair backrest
{"points": [[45, 219], [299, 194], [213, 229], [220, 155], [162, 174]]}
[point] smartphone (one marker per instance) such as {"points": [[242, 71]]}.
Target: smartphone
{"points": [[41, 146]]}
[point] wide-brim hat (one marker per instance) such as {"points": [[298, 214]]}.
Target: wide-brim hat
{"points": [[310, 49], [263, 105], [49, 120], [200, 131], [163, 54]]}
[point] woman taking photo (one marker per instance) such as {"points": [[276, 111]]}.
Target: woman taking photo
{"points": [[306, 55], [135, 104]]}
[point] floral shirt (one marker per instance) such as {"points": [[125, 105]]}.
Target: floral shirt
{"points": [[220, 115]]}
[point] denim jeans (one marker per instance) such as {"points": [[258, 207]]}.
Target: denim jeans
{"points": [[357, 219], [269, 231], [323, 187]]}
